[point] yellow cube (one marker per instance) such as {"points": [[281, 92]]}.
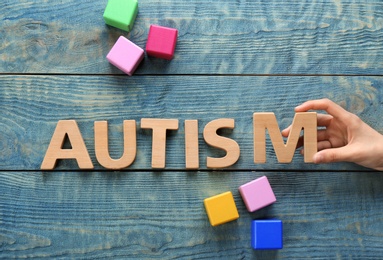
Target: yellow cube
{"points": [[221, 208]]}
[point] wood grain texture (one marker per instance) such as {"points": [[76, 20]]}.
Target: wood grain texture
{"points": [[56, 151], [215, 37], [146, 215], [32, 106], [285, 150], [233, 58], [228, 145]]}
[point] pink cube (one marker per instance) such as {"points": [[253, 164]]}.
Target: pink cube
{"points": [[257, 194], [161, 42], [125, 55]]}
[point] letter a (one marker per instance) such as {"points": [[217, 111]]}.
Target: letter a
{"points": [[285, 153], [79, 152]]}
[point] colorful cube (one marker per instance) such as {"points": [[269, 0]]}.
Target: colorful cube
{"points": [[257, 194], [161, 42], [266, 234], [121, 14], [125, 55], [221, 208]]}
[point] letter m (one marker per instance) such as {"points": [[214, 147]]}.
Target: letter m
{"points": [[285, 152]]}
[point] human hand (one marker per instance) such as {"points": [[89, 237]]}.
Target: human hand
{"points": [[343, 136]]}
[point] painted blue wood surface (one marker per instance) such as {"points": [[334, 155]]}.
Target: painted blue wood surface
{"points": [[233, 58], [140, 215], [224, 37]]}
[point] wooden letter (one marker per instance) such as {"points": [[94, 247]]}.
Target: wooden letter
{"points": [[285, 153], [191, 144], [159, 127], [229, 145], [102, 147], [79, 152]]}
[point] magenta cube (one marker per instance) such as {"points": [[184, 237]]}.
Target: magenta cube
{"points": [[125, 55], [161, 42], [257, 194]]}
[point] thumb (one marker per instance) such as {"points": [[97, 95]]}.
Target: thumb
{"points": [[332, 155]]}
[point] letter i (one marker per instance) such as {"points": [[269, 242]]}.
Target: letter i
{"points": [[191, 144]]}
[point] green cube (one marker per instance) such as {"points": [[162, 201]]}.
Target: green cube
{"points": [[121, 13]]}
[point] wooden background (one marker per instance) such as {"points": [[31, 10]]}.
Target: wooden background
{"points": [[233, 58]]}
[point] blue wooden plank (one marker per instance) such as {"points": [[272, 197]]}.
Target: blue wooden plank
{"points": [[140, 213], [32, 106], [161, 215], [215, 37]]}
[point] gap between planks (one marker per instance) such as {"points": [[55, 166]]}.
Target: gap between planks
{"points": [[196, 171], [192, 75]]}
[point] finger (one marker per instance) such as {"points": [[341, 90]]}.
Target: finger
{"points": [[322, 104], [332, 155], [323, 142], [285, 132], [324, 119], [323, 145], [322, 135]]}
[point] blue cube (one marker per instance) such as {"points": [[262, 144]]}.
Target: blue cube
{"points": [[266, 234]]}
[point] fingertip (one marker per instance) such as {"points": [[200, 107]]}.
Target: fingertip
{"points": [[285, 132], [330, 155], [301, 107], [318, 158]]}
